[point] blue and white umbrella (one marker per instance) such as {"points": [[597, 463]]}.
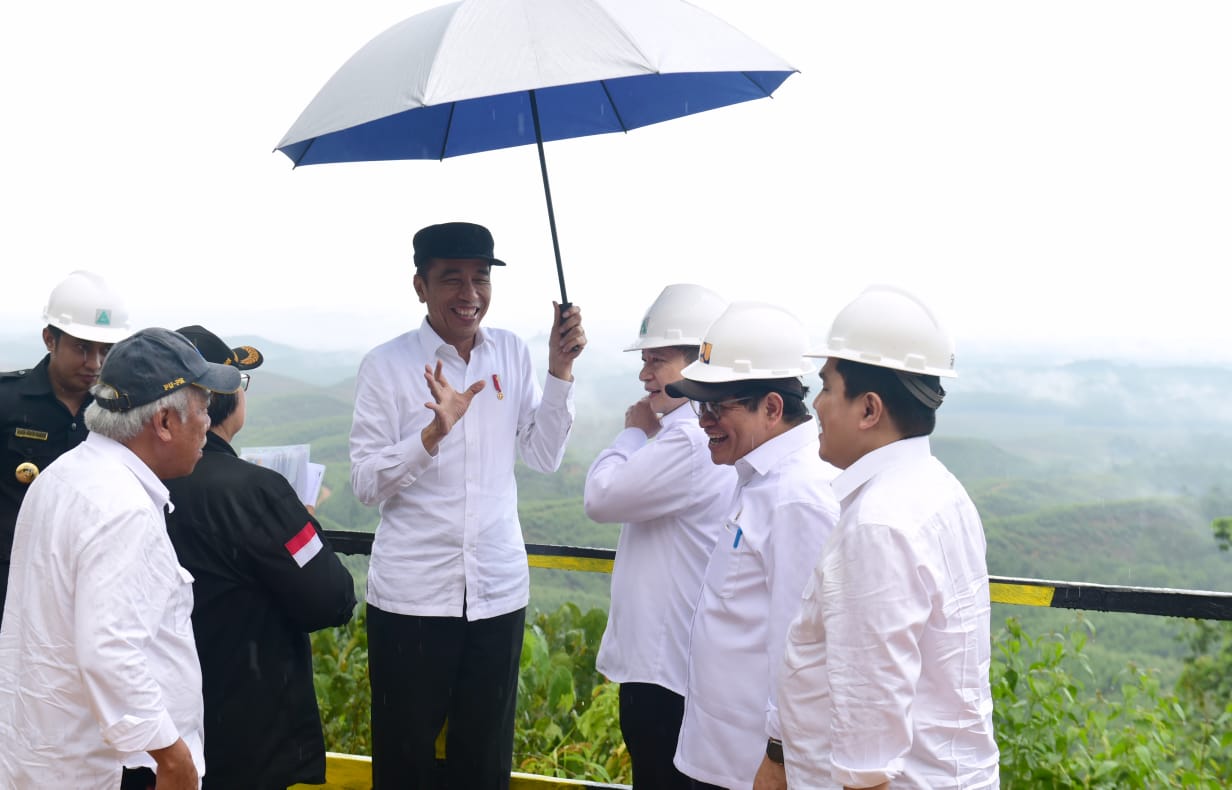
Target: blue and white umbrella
{"points": [[480, 75]]}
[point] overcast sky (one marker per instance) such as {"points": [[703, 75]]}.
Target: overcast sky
{"points": [[1045, 174]]}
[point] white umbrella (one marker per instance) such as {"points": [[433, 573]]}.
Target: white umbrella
{"points": [[486, 74]]}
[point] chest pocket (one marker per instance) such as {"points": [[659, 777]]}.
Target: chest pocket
{"points": [[183, 603], [726, 561]]}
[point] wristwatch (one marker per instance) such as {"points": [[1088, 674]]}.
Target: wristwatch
{"points": [[774, 750]]}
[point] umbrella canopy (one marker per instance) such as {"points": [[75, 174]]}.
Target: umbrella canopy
{"points": [[479, 75]]}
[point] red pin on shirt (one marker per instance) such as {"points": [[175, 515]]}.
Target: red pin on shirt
{"points": [[500, 395]]}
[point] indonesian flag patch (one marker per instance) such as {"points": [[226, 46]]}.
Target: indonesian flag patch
{"points": [[305, 545]]}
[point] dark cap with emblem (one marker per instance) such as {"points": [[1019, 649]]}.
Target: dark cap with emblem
{"points": [[156, 362], [715, 391], [454, 241], [214, 349]]}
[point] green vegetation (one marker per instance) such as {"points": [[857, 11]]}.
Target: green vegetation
{"points": [[1055, 727]]}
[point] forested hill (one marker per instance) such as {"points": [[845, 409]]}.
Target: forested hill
{"points": [[1088, 471], [1091, 471]]}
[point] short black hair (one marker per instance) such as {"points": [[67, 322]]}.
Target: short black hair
{"points": [[56, 334], [795, 412], [910, 416], [222, 406]]}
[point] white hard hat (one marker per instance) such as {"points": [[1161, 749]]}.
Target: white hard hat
{"points": [[679, 317], [84, 306], [750, 341], [890, 328]]}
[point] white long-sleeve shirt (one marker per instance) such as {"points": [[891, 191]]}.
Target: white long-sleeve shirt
{"points": [[97, 659], [672, 499], [885, 676], [449, 522], [778, 522]]}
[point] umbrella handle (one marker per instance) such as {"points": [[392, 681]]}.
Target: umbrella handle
{"points": [[547, 194]]}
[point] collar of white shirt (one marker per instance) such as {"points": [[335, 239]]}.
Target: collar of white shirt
{"points": [[766, 456], [682, 413], [871, 464], [109, 447], [431, 342]]}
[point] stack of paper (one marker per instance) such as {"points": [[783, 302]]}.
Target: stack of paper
{"points": [[291, 461]]}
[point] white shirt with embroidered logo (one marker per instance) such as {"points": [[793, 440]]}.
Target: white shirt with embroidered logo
{"points": [[672, 499], [449, 522], [780, 517], [97, 659], [885, 676]]}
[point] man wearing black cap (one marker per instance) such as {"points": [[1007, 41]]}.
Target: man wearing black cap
{"points": [[97, 664], [265, 578], [751, 406], [448, 581]]}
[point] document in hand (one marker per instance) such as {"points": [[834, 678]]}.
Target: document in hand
{"points": [[291, 461]]}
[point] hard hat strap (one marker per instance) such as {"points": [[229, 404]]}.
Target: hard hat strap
{"points": [[920, 391]]}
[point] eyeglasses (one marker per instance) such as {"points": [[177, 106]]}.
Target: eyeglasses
{"points": [[244, 378], [717, 409]]}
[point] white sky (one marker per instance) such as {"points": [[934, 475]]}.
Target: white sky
{"points": [[1043, 173]]}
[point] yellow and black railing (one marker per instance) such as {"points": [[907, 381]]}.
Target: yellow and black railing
{"points": [[1199, 604], [352, 772]]}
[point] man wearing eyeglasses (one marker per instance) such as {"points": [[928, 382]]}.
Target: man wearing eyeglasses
{"points": [[750, 402], [265, 578], [42, 408]]}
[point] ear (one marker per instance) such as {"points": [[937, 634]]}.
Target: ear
{"points": [[420, 287], [162, 421], [873, 411], [49, 339], [772, 406]]}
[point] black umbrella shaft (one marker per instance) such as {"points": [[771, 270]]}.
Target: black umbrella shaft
{"points": [[547, 193]]}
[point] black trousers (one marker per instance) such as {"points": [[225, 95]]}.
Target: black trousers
{"points": [[426, 669], [650, 718]]}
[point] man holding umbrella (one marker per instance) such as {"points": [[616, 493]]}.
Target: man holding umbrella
{"points": [[448, 581]]}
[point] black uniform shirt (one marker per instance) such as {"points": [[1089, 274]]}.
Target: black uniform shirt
{"points": [[36, 428], [262, 584]]}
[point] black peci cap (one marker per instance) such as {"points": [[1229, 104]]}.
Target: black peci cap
{"points": [[454, 240]]}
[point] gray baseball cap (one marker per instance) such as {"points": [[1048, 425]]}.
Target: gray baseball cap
{"points": [[155, 362]]}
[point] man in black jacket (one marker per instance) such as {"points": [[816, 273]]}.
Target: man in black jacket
{"points": [[265, 578], [42, 409]]}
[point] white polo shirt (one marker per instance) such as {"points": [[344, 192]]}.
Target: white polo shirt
{"points": [[449, 522], [97, 659], [672, 499], [778, 521], [885, 676]]}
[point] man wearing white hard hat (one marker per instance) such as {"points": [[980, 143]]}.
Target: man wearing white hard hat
{"points": [[750, 399], [885, 676], [657, 479], [42, 408]]}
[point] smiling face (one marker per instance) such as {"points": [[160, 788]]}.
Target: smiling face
{"points": [[839, 419], [457, 293], [733, 429], [660, 367]]}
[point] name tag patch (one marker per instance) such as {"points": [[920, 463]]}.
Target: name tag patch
{"points": [[26, 433]]}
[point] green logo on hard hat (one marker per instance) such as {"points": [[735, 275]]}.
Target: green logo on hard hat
{"points": [[645, 321], [102, 318]]}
